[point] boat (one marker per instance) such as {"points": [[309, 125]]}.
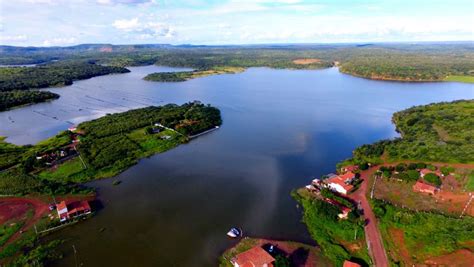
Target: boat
{"points": [[234, 232]]}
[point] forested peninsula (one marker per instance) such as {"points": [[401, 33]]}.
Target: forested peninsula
{"points": [[17, 84], [100, 148]]}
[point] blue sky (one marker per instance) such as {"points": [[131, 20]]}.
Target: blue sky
{"points": [[70, 22]]}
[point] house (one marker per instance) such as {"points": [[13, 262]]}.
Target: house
{"points": [[348, 177], [339, 184], [424, 188], [350, 264], [72, 210], [350, 168], [311, 188], [72, 129], [253, 257], [424, 172]]}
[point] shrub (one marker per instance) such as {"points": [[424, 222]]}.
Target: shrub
{"points": [[433, 179]]}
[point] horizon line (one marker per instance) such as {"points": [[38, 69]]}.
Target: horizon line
{"points": [[249, 44]]}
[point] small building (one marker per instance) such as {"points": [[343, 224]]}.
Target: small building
{"points": [[350, 264], [424, 188], [72, 129], [339, 184], [72, 210], [350, 168], [255, 256], [165, 137]]}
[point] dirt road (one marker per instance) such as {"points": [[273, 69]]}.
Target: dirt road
{"points": [[372, 233]]}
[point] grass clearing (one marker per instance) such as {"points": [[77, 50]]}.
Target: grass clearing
{"points": [[425, 235], [67, 169], [470, 182], [460, 78]]}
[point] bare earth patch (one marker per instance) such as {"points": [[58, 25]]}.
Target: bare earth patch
{"points": [[460, 258], [306, 61]]}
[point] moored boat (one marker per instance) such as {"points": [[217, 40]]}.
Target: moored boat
{"points": [[234, 232]]}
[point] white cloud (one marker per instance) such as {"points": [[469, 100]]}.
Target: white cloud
{"points": [[13, 38], [59, 41], [145, 30], [127, 25]]}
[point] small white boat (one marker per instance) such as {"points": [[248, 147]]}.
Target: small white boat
{"points": [[234, 232]]}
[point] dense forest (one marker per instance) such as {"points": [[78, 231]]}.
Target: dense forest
{"points": [[107, 146], [12, 99], [53, 74], [440, 132], [398, 61]]}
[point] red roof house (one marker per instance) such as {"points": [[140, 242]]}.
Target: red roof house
{"points": [[350, 264], [253, 257], [338, 183], [73, 209], [424, 188]]}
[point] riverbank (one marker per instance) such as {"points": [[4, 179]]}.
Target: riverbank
{"points": [[285, 252]]}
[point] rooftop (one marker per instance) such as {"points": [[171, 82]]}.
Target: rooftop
{"points": [[255, 256]]}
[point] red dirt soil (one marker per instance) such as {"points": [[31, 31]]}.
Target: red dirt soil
{"points": [[13, 207], [460, 258]]}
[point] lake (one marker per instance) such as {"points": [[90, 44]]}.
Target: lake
{"points": [[281, 127]]}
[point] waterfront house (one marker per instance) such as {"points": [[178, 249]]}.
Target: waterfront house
{"points": [[424, 188], [339, 184], [72, 210], [255, 256]]}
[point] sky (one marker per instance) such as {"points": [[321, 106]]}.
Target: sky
{"points": [[212, 22]]}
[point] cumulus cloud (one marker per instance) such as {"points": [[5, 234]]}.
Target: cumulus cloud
{"points": [[59, 41], [144, 30]]}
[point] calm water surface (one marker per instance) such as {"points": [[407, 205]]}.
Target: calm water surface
{"points": [[280, 128]]}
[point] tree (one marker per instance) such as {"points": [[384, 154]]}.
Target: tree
{"points": [[432, 179], [281, 261]]}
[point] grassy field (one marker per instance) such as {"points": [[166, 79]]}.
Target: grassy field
{"points": [[401, 194], [470, 182], [413, 237], [66, 171], [460, 78]]}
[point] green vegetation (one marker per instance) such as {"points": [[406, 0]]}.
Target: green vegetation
{"points": [[470, 182], [29, 250], [411, 66], [16, 82], [440, 132], [333, 235], [188, 75], [18, 98], [432, 179], [54, 74], [107, 146], [424, 234], [459, 78], [7, 230]]}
